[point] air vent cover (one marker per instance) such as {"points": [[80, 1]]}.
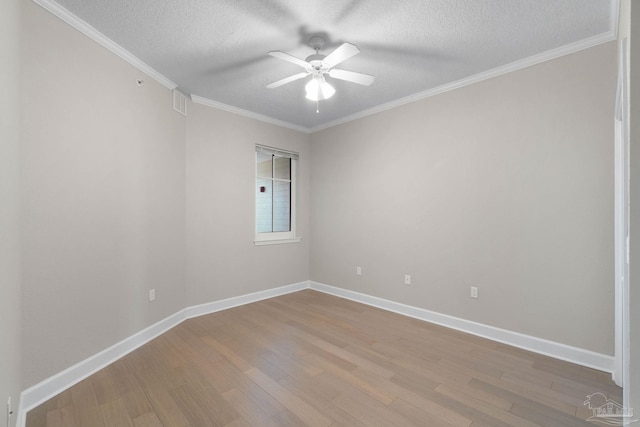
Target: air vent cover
{"points": [[180, 102]]}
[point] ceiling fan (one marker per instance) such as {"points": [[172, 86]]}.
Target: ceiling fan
{"points": [[318, 65]]}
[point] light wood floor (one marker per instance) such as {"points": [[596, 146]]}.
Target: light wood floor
{"points": [[312, 359]]}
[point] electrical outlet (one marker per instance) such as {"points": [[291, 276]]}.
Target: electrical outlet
{"points": [[152, 294], [407, 279], [359, 271], [474, 292]]}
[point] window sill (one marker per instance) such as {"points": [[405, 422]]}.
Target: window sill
{"points": [[276, 241]]}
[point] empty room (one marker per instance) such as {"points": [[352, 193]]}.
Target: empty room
{"points": [[338, 213]]}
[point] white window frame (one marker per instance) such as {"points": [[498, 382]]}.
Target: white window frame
{"points": [[275, 238]]}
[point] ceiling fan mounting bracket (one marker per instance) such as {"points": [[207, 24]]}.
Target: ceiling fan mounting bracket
{"points": [[317, 43]]}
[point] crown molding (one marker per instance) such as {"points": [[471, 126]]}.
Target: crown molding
{"points": [[246, 113], [103, 40], [614, 15], [110, 45], [485, 75]]}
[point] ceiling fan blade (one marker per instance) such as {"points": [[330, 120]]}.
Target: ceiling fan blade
{"points": [[282, 55], [342, 53], [287, 80], [350, 76]]}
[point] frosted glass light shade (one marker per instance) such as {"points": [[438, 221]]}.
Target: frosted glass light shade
{"points": [[318, 89]]}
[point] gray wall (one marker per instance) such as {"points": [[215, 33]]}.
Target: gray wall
{"points": [[10, 304], [222, 260], [110, 210], [103, 175], [506, 185]]}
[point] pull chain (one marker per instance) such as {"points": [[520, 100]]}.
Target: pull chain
{"points": [[318, 106]]}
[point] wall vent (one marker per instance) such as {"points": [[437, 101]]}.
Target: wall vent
{"points": [[180, 102]]}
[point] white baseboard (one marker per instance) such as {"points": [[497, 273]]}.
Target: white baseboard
{"points": [[54, 385], [47, 389], [212, 307], [579, 356]]}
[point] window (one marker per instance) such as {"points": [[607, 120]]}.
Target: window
{"points": [[275, 196]]}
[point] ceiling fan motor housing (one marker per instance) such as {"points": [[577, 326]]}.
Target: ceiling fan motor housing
{"points": [[315, 60]]}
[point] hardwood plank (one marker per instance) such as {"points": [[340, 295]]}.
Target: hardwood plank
{"points": [[370, 411], [424, 397], [215, 405], [86, 411], [282, 347], [199, 350], [434, 372], [104, 387], [114, 412], [421, 415], [59, 401], [324, 359], [341, 353], [370, 385], [295, 404], [163, 404], [542, 395], [38, 415], [475, 394], [287, 418], [321, 390], [250, 409], [150, 419], [137, 403], [494, 414], [238, 422], [60, 417], [533, 411], [254, 395], [195, 413], [227, 353], [309, 358]]}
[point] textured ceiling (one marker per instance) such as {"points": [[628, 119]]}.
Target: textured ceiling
{"points": [[217, 50]]}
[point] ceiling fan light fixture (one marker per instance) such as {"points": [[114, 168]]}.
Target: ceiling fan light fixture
{"points": [[318, 89], [317, 66]]}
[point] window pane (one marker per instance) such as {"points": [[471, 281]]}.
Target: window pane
{"points": [[282, 167], [264, 165], [264, 205], [281, 206]]}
